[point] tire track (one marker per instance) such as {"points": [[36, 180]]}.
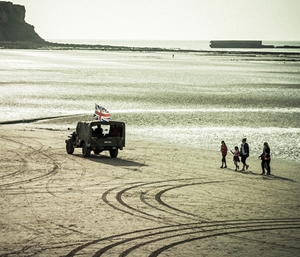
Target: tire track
{"points": [[22, 162], [167, 209], [37, 217], [242, 230], [159, 195], [181, 234], [105, 196], [32, 160], [25, 162], [132, 211], [44, 158], [83, 172]]}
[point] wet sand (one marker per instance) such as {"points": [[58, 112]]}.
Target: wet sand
{"points": [[197, 99], [153, 200]]}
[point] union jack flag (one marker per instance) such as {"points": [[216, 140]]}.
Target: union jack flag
{"points": [[101, 114]]}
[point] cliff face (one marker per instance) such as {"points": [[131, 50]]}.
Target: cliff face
{"points": [[13, 27]]}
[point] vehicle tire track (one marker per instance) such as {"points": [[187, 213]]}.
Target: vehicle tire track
{"points": [[132, 211], [25, 162], [32, 159], [129, 209], [243, 230], [11, 158], [184, 232]]}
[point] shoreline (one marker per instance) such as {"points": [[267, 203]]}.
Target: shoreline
{"points": [[50, 124], [96, 47], [48, 128]]}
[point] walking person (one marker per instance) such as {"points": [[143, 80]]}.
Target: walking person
{"points": [[244, 153], [224, 153], [236, 158], [266, 159]]}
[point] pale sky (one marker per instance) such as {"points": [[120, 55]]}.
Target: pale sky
{"points": [[164, 19]]}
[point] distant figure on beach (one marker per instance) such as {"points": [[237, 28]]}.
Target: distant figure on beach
{"points": [[236, 158], [244, 153], [265, 159], [224, 153]]}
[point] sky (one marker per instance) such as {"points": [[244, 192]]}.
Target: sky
{"points": [[164, 19]]}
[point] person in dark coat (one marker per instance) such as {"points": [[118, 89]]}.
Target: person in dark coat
{"points": [[244, 153], [266, 159]]}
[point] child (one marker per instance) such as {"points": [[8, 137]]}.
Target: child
{"points": [[236, 157], [224, 153]]}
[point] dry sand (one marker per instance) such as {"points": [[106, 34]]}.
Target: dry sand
{"points": [[153, 200]]}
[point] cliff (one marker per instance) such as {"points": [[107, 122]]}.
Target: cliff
{"points": [[13, 27]]}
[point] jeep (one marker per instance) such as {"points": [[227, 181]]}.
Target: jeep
{"points": [[97, 136]]}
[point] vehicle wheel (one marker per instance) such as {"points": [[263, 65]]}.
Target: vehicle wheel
{"points": [[69, 147], [86, 151], [113, 153], [97, 151]]}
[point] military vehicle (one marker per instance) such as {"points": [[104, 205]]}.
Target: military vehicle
{"points": [[97, 136]]}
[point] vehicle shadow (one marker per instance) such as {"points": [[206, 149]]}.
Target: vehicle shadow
{"points": [[104, 159]]}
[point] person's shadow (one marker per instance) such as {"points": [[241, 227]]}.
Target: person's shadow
{"points": [[269, 177]]}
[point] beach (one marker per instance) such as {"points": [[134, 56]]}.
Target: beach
{"points": [[153, 197], [165, 194]]}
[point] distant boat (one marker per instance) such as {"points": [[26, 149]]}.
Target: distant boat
{"points": [[238, 44]]}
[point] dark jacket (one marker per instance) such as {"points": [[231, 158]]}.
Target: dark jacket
{"points": [[246, 149], [266, 153]]}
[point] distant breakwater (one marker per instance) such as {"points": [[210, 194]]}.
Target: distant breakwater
{"points": [[244, 44]]}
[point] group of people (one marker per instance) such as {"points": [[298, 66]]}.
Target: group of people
{"points": [[244, 154]]}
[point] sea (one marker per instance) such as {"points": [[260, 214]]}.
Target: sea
{"points": [[184, 99], [198, 45]]}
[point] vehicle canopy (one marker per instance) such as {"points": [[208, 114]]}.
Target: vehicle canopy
{"points": [[85, 129]]}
